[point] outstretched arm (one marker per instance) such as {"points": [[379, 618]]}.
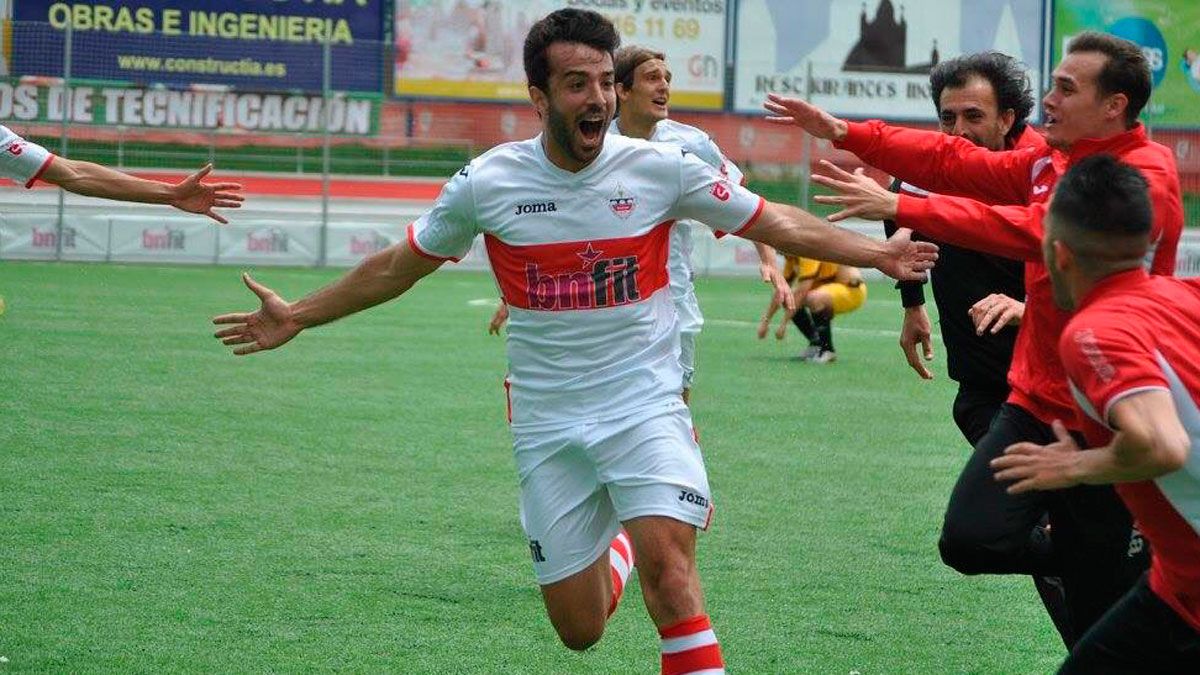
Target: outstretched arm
{"points": [[1151, 442], [1010, 231], [191, 194], [381, 277], [798, 232], [928, 159]]}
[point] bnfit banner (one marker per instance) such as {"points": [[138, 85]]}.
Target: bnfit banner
{"points": [[873, 58], [250, 44], [472, 48]]}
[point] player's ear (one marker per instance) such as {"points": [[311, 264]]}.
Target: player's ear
{"points": [[541, 102], [1115, 105], [1007, 119], [1064, 257]]}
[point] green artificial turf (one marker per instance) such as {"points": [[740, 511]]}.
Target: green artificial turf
{"points": [[349, 502]]}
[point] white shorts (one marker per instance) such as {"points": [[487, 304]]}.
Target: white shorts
{"points": [[690, 321], [579, 484]]}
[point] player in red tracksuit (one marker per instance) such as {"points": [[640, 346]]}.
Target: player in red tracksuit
{"points": [[1099, 89], [1133, 361]]}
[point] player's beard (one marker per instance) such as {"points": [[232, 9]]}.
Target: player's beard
{"points": [[567, 135]]}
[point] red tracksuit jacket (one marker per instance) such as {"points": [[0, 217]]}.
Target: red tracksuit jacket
{"points": [[1023, 179]]}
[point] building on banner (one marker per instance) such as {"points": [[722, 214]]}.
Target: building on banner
{"points": [[873, 58], [471, 49]]}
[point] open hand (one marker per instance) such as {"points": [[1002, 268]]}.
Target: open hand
{"points": [[195, 196], [858, 194], [267, 328], [1039, 467], [905, 259], [813, 120]]}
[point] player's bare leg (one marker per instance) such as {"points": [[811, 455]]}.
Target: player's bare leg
{"points": [[579, 606], [670, 583]]}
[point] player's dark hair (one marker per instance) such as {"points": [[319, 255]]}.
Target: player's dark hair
{"points": [[1008, 78], [628, 59], [1126, 72], [1101, 196], [565, 25]]}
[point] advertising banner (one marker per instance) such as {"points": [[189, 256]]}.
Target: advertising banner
{"points": [[872, 59], [165, 239], [35, 236], [473, 48], [1168, 32], [168, 108], [348, 243], [281, 242], [248, 44]]}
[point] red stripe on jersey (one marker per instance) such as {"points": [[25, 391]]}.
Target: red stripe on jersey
{"points": [[41, 170], [412, 243], [581, 274], [762, 203]]}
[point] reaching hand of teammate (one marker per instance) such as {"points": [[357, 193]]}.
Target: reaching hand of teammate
{"points": [[1039, 467], [905, 259], [810, 118], [498, 318], [916, 330], [858, 195], [195, 196], [267, 328], [783, 291], [996, 310]]}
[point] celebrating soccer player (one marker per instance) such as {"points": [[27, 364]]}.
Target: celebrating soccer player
{"points": [[1133, 362], [643, 87], [1099, 89], [25, 162], [577, 227]]}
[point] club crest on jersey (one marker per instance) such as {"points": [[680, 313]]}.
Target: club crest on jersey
{"points": [[622, 202], [599, 282]]}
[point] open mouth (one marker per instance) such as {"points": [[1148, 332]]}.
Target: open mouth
{"points": [[662, 101], [1051, 120], [591, 129]]}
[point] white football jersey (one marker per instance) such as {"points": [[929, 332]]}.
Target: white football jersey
{"points": [[21, 161], [696, 141], [581, 260]]}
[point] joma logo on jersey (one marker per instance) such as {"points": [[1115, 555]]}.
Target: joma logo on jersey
{"points": [[603, 282], [15, 149], [721, 191], [692, 498], [535, 207]]}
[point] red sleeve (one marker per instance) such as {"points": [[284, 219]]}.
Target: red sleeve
{"points": [[1107, 358], [1008, 231], [943, 163], [1167, 227]]}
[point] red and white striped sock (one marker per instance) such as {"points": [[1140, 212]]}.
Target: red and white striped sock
{"points": [[690, 648], [620, 560]]}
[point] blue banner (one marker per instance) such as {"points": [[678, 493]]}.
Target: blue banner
{"points": [[247, 44]]}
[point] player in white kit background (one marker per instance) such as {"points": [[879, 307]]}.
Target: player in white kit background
{"points": [[577, 225], [643, 87], [25, 162]]}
